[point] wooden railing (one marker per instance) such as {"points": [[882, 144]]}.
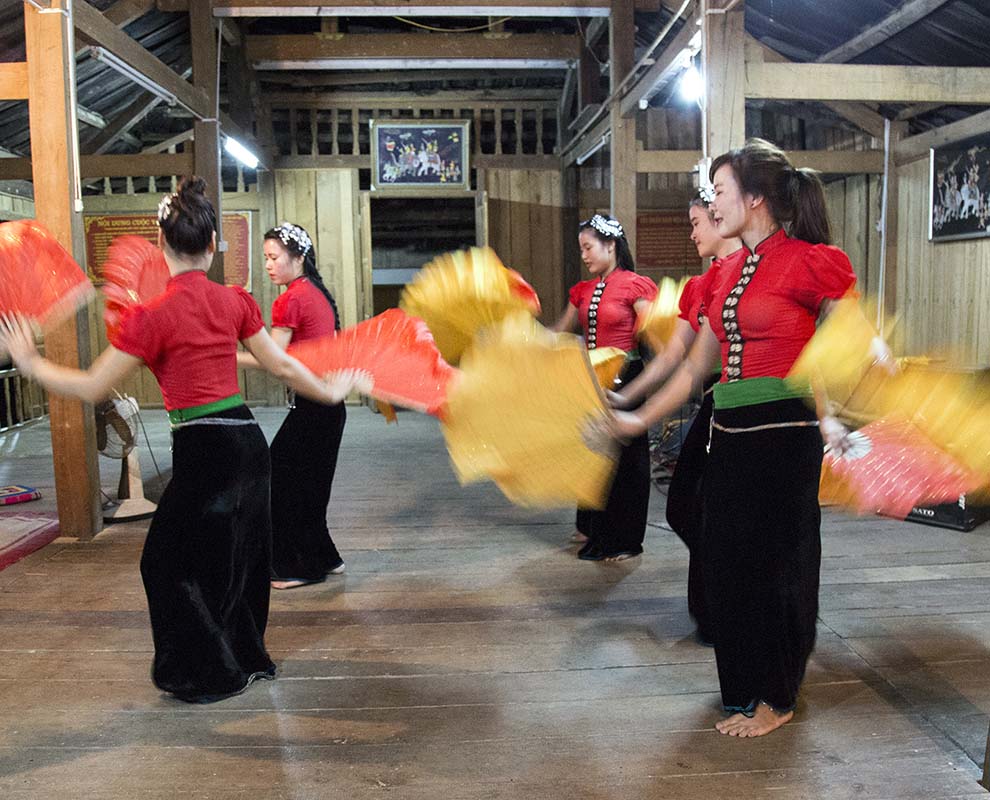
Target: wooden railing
{"points": [[322, 129], [21, 400]]}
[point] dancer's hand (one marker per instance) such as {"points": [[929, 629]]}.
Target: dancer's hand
{"points": [[627, 425], [616, 400], [883, 357], [834, 434], [17, 339], [341, 383]]}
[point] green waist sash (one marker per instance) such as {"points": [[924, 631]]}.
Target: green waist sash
{"points": [[177, 415], [753, 391]]}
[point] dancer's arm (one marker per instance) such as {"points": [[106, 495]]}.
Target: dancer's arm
{"points": [[281, 337], [658, 369], [288, 370], [91, 385], [568, 321], [687, 380]]}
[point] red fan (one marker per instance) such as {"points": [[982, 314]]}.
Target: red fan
{"points": [[395, 349], [135, 272], [520, 288], [891, 466], [38, 278]]}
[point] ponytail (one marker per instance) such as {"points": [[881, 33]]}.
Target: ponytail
{"points": [[810, 221]]}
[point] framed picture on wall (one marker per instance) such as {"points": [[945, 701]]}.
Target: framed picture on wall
{"points": [[960, 190], [427, 153]]}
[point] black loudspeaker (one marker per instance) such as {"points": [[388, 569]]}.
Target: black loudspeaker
{"points": [[959, 516]]}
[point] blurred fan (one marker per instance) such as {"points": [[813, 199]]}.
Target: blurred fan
{"points": [[523, 414], [657, 322], [38, 278], [890, 467], [395, 349], [459, 293], [607, 363], [135, 272]]}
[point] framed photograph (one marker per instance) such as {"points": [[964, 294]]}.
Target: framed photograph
{"points": [[428, 153], [960, 190]]}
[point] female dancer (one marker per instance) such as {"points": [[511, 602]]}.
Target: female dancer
{"points": [[304, 451], [206, 558], [760, 542], [684, 493], [606, 308]]}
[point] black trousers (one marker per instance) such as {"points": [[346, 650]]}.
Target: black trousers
{"points": [[206, 559], [304, 460], [684, 506], [761, 550], [621, 526]]}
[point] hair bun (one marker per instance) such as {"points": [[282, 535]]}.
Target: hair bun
{"points": [[192, 185]]}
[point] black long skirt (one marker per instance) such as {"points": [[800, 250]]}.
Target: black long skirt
{"points": [[761, 550], [206, 560], [621, 526], [304, 460], [684, 506]]}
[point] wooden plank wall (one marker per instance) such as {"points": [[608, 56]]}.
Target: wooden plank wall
{"points": [[854, 208], [943, 289], [326, 202], [257, 386], [528, 226]]}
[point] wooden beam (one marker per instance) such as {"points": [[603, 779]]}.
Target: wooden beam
{"points": [[905, 16], [73, 423], [667, 65], [14, 80], [308, 80], [413, 8], [206, 132], [315, 52], [916, 110], [869, 82], [889, 245], [622, 152], [859, 114], [829, 162], [106, 34], [122, 13], [578, 146], [91, 118], [912, 148], [132, 165], [525, 98], [724, 64]]}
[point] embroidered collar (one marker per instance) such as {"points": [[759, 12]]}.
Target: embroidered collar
{"points": [[774, 240]]}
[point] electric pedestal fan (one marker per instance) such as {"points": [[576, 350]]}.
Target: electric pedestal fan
{"points": [[116, 437]]}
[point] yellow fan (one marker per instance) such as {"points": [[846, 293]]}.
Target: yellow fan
{"points": [[459, 293], [607, 362], [659, 319], [521, 414]]}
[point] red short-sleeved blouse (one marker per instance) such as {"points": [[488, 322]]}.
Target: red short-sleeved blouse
{"points": [[763, 306], [616, 316], [188, 337], [304, 309]]}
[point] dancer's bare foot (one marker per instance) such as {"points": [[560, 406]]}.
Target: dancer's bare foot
{"points": [[578, 538], [763, 721]]}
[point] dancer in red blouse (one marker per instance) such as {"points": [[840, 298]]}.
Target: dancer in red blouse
{"points": [[607, 308], [684, 507], [304, 451], [760, 541], [206, 558]]}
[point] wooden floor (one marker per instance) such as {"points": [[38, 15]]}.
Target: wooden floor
{"points": [[467, 654]]}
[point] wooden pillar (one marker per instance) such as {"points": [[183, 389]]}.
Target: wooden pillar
{"points": [[621, 42], [724, 71], [898, 130], [53, 134], [206, 144]]}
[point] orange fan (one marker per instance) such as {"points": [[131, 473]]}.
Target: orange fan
{"points": [[658, 320], [38, 278], [892, 466], [607, 362], [135, 272], [395, 349], [457, 294]]}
